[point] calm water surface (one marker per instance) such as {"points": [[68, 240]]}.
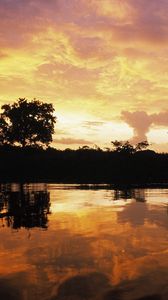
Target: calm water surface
{"points": [[64, 242]]}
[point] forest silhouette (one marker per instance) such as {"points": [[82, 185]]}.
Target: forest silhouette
{"points": [[84, 165], [26, 129]]}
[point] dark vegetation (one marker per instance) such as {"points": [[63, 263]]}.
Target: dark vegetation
{"points": [[84, 165], [26, 130], [27, 123]]}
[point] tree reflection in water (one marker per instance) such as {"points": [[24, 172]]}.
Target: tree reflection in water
{"points": [[126, 194], [24, 206]]}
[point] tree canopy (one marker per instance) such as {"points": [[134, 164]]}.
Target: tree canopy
{"points": [[27, 123], [126, 147]]}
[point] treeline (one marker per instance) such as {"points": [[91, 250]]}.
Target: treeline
{"points": [[30, 126], [85, 165]]}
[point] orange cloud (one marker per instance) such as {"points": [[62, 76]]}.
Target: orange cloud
{"points": [[141, 122], [70, 141], [88, 57]]}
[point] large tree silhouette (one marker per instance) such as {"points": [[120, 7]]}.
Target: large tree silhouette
{"points": [[27, 123]]}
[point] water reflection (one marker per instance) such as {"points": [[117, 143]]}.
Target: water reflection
{"points": [[100, 244], [24, 206], [97, 286], [137, 214], [137, 194]]}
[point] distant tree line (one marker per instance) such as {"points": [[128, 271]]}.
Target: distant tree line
{"points": [[31, 123], [119, 147], [31, 164], [26, 129]]}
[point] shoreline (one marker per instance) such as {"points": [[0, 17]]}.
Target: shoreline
{"points": [[90, 185]]}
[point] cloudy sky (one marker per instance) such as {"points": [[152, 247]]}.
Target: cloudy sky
{"points": [[102, 63]]}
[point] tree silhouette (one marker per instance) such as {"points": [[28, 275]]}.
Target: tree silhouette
{"points": [[27, 123], [141, 145], [123, 147], [126, 147]]}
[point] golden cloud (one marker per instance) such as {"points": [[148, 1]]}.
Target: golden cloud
{"points": [[96, 58]]}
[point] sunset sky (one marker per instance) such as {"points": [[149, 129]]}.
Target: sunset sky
{"points": [[102, 63]]}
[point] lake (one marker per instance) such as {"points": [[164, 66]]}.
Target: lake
{"points": [[73, 242]]}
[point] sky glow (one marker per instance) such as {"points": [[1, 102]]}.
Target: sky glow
{"points": [[102, 63]]}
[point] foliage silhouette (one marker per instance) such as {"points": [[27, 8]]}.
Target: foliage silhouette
{"points": [[82, 166], [126, 147], [27, 123]]}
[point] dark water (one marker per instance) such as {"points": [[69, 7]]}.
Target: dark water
{"points": [[62, 242]]}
